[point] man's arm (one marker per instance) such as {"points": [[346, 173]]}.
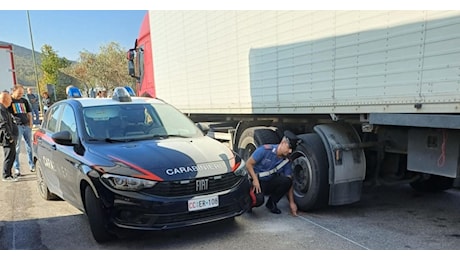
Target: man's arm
{"points": [[29, 116], [32, 98], [5, 128], [250, 163], [292, 205], [29, 113]]}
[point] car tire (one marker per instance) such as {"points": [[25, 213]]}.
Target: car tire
{"points": [[41, 184], [97, 217]]}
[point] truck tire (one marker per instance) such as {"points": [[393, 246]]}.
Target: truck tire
{"points": [[42, 187], [254, 137], [97, 217], [434, 184], [310, 173]]}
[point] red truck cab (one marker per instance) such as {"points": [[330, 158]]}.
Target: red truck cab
{"points": [[140, 61]]}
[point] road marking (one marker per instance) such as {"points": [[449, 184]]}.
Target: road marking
{"points": [[335, 233]]}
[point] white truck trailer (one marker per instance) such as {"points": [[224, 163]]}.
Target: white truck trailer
{"points": [[7, 72], [373, 95]]}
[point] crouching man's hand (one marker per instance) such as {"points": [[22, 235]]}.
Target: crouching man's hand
{"points": [[293, 207]]}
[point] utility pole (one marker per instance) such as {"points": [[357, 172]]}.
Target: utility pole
{"points": [[35, 64]]}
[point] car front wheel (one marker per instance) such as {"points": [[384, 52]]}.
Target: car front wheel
{"points": [[97, 217]]}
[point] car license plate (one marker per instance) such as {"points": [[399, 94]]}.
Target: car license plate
{"points": [[203, 203]]}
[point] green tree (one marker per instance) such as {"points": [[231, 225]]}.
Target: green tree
{"points": [[51, 64], [84, 70], [114, 71], [106, 69]]}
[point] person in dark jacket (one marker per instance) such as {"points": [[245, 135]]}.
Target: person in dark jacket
{"points": [[8, 135], [35, 105]]}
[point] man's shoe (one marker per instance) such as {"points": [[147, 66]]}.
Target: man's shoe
{"points": [[32, 169], [272, 207], [17, 175], [9, 179]]}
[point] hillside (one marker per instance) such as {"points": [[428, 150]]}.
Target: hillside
{"points": [[23, 63]]}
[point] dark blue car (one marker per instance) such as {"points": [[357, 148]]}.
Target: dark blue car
{"points": [[136, 163]]}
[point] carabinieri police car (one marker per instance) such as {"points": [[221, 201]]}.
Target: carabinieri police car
{"points": [[136, 163]]}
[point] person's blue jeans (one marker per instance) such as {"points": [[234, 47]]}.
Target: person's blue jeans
{"points": [[36, 116], [26, 132]]}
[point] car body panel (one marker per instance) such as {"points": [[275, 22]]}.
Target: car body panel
{"points": [[192, 176], [171, 159]]}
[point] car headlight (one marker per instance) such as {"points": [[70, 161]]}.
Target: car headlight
{"points": [[127, 183], [241, 169]]}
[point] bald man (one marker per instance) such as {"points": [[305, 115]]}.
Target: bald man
{"points": [[8, 135], [22, 115]]}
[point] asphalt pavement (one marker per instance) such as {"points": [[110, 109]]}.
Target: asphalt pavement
{"points": [[386, 218]]}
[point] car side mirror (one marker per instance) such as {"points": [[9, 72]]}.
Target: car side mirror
{"points": [[62, 138]]}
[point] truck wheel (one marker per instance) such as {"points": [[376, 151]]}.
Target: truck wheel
{"points": [[254, 137], [433, 184], [97, 217], [310, 173], [42, 187]]}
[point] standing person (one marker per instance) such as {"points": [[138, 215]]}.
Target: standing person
{"points": [[22, 114], [46, 101], [8, 135], [270, 170], [33, 99]]}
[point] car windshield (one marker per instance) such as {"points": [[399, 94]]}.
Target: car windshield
{"points": [[137, 122]]}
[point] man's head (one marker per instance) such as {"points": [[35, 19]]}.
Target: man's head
{"points": [[29, 90], [287, 144], [18, 91], [292, 139], [5, 98]]}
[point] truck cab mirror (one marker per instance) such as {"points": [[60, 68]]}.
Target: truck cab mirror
{"points": [[130, 55], [131, 69]]}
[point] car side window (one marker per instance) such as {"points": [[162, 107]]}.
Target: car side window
{"points": [[53, 119], [68, 122]]}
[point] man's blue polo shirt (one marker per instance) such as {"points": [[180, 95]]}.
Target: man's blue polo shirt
{"points": [[266, 159]]}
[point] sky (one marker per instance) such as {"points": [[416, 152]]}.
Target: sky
{"points": [[68, 31]]}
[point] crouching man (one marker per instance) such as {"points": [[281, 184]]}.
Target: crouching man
{"points": [[271, 172]]}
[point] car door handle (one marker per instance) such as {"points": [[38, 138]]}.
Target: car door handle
{"points": [[45, 144], [74, 163]]}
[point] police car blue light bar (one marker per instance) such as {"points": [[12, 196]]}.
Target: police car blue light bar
{"points": [[73, 92], [121, 94], [130, 91]]}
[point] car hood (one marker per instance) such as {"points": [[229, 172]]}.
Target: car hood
{"points": [[169, 159]]}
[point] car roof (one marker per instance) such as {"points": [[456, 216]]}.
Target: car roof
{"points": [[94, 102]]}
